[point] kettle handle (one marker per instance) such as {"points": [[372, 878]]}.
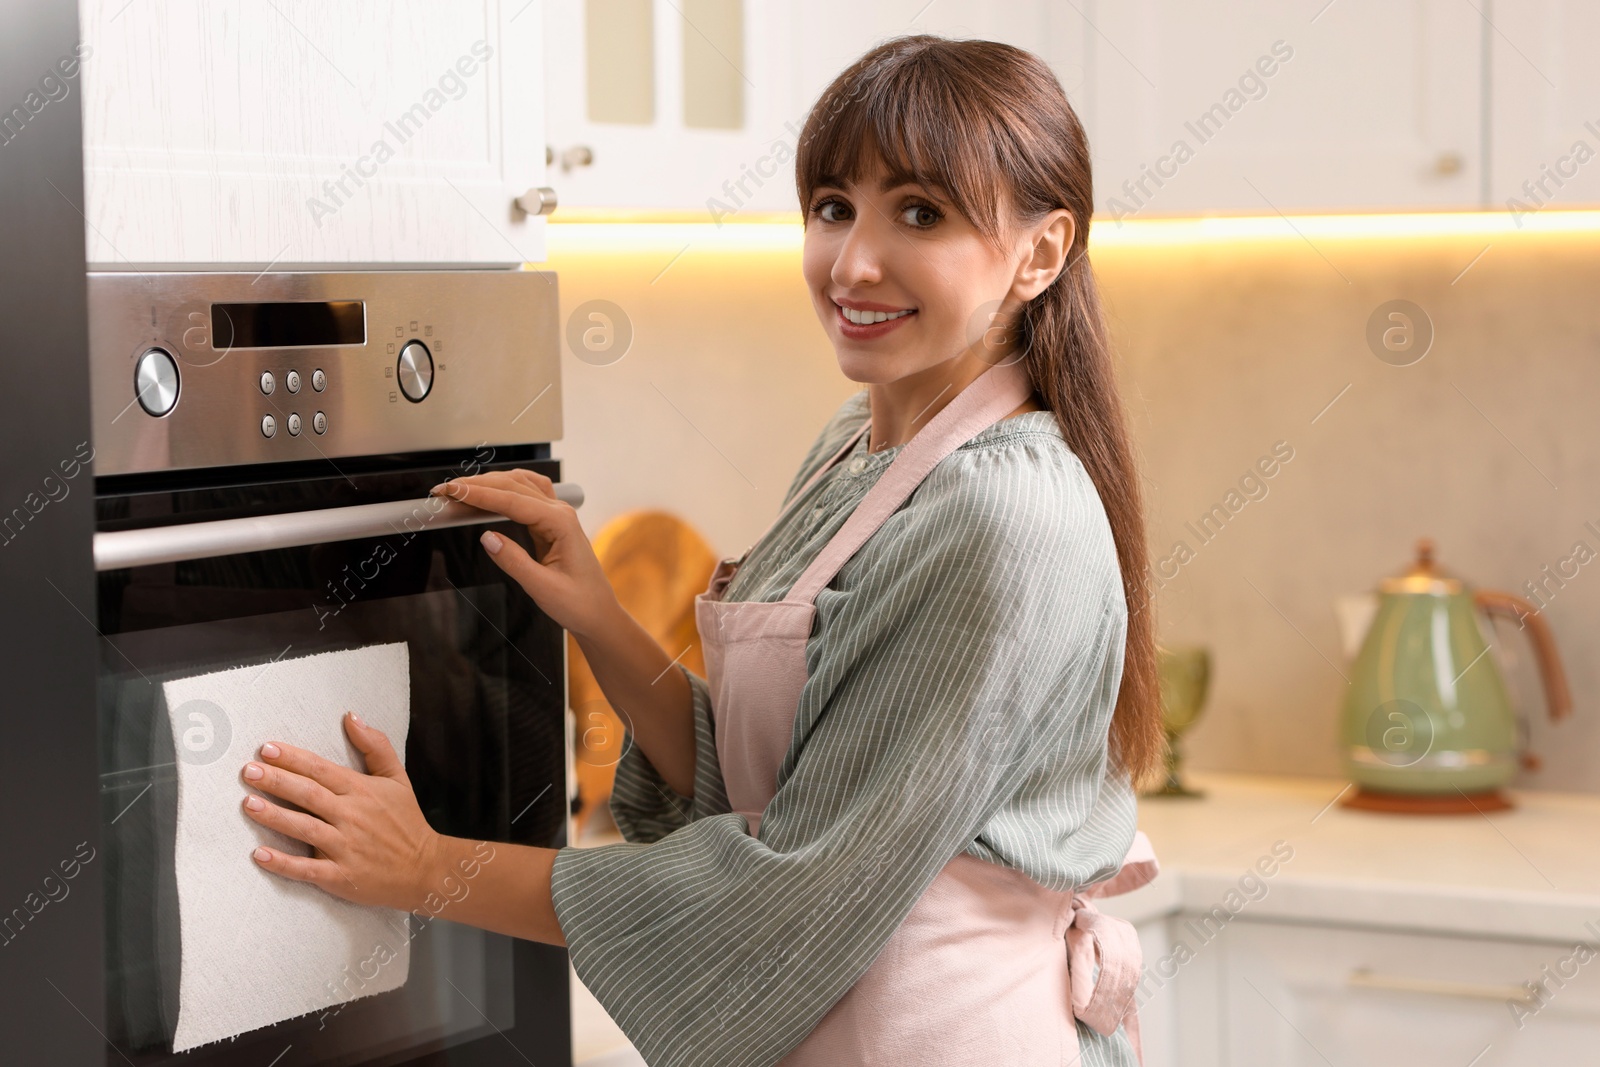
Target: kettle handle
{"points": [[1556, 693]]}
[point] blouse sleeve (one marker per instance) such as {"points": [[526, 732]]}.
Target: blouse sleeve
{"points": [[988, 613], [644, 807]]}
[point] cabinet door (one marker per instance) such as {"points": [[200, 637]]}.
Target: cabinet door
{"points": [[834, 33], [671, 105], [1307, 996], [1157, 1004], [624, 75], [1545, 140], [1254, 106], [296, 132]]}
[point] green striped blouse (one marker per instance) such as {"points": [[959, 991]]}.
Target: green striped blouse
{"points": [[960, 683]]}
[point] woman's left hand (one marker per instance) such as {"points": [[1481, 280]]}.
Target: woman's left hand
{"points": [[370, 842]]}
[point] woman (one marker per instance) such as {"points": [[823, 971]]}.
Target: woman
{"points": [[864, 837]]}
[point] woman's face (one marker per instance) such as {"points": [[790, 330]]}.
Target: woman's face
{"points": [[906, 256]]}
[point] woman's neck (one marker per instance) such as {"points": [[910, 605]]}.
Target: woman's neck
{"points": [[904, 406]]}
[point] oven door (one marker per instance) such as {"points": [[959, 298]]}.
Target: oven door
{"points": [[200, 579]]}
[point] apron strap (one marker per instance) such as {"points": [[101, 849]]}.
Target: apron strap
{"points": [[984, 402]]}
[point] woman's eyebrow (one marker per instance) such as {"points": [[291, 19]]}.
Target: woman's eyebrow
{"points": [[888, 184], [932, 192]]}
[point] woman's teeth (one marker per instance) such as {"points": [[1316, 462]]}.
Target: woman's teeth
{"points": [[867, 318]]}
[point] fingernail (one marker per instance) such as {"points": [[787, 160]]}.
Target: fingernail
{"points": [[441, 488], [253, 771], [356, 719], [262, 855], [269, 750], [491, 541], [254, 803]]}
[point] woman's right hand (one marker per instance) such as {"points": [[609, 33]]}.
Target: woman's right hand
{"points": [[566, 580]]}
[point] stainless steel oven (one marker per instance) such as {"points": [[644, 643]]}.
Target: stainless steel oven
{"points": [[264, 446]]}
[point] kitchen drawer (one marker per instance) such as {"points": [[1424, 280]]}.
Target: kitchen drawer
{"points": [[1314, 995]]}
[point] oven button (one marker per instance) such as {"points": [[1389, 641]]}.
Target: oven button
{"points": [[294, 424], [267, 384], [319, 422], [319, 381], [269, 426], [415, 370], [291, 381], [155, 382]]}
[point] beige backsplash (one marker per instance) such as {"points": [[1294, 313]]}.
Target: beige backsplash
{"points": [[1230, 351]]}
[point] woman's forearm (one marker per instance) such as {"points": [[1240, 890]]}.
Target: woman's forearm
{"points": [[491, 885], [569, 584], [645, 687]]}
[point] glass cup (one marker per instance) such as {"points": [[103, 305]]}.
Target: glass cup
{"points": [[1185, 676]]}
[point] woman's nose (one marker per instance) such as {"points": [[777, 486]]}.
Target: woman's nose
{"points": [[859, 260]]}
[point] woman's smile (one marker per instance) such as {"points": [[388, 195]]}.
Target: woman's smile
{"points": [[863, 320]]}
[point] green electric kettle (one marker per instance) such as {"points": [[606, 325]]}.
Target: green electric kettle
{"points": [[1427, 725]]}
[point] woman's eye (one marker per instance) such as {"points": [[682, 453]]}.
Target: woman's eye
{"points": [[829, 211], [920, 215]]}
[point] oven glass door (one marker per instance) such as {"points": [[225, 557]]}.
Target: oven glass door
{"points": [[485, 752]]}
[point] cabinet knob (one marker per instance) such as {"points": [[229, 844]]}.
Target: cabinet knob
{"points": [[1448, 163], [578, 155], [537, 201]]}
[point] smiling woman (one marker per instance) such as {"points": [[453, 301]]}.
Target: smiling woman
{"points": [[874, 832]]}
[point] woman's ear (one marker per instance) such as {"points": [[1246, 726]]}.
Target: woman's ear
{"points": [[1044, 255]]}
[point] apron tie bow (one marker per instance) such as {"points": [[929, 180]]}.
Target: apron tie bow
{"points": [[1104, 960]]}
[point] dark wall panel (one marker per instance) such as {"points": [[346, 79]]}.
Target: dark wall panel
{"points": [[51, 999]]}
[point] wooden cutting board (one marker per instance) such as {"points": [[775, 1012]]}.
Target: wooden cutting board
{"points": [[657, 563]]}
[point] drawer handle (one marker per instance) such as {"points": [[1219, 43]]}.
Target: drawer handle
{"points": [[1366, 979]]}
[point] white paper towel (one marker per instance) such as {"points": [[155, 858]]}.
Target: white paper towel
{"points": [[258, 948]]}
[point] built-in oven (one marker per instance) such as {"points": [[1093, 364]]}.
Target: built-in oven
{"points": [[263, 449]]}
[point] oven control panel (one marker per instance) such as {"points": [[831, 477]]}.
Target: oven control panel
{"points": [[201, 369]]}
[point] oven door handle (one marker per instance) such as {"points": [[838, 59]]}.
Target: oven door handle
{"points": [[119, 549]]}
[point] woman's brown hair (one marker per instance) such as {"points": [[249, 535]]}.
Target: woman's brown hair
{"points": [[986, 125]]}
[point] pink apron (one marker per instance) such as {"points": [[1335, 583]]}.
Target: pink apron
{"points": [[976, 974]]}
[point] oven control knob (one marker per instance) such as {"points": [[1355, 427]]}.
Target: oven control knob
{"points": [[155, 382], [415, 370]]}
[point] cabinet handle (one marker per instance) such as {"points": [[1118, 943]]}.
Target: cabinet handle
{"points": [[537, 201], [1394, 983], [578, 155]]}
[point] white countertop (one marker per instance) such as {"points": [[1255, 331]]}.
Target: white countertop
{"points": [[1531, 872]]}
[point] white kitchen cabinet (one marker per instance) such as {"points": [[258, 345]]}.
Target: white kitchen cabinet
{"points": [[622, 76], [1242, 106], [1265, 993], [671, 105], [834, 33], [1545, 122], [1158, 1016], [1306, 995], [296, 132], [1254, 106]]}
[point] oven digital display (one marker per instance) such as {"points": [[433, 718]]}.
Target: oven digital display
{"points": [[288, 324]]}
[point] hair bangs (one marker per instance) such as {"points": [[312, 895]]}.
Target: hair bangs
{"points": [[892, 109]]}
